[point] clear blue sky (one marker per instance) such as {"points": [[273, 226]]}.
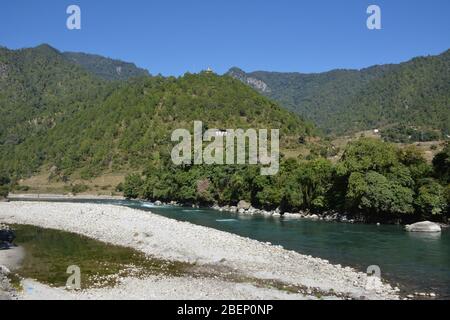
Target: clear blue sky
{"points": [[175, 36]]}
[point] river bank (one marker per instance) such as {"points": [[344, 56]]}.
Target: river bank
{"points": [[49, 196], [180, 241], [242, 208]]}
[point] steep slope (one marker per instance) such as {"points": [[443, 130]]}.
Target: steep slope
{"points": [[415, 93], [106, 68]]}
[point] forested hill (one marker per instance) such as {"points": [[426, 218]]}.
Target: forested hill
{"points": [[38, 89], [106, 68], [412, 94], [63, 118]]}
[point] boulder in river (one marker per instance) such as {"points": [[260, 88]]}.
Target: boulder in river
{"points": [[244, 205], [425, 226]]}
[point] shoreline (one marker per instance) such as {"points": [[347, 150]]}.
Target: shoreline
{"points": [[56, 196], [181, 241], [249, 210]]}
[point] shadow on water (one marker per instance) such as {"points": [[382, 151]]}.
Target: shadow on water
{"points": [[417, 262]]}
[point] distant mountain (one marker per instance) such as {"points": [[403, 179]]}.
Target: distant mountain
{"points": [[57, 115], [414, 94], [106, 68]]}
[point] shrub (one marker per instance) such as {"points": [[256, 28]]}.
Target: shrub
{"points": [[4, 191], [119, 187], [79, 188], [21, 188]]}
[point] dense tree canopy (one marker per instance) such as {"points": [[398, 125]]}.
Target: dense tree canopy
{"points": [[373, 178]]}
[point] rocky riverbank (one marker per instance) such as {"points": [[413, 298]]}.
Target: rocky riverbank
{"points": [[10, 260], [245, 208], [204, 247], [6, 290]]}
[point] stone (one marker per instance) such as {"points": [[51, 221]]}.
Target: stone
{"points": [[7, 236], [4, 270], [425, 226], [244, 205]]}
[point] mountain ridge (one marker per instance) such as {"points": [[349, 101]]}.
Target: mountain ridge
{"points": [[106, 68], [332, 99]]}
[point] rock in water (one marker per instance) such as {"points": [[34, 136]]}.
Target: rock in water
{"points": [[425, 226], [244, 205]]}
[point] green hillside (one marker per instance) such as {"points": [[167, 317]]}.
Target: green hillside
{"points": [[95, 126], [39, 89], [413, 94]]}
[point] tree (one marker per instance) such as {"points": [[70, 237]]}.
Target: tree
{"points": [[4, 185], [315, 181], [374, 193], [431, 200], [4, 179], [132, 186], [441, 165], [270, 197], [413, 158], [367, 154]]}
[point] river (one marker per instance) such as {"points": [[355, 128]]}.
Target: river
{"points": [[413, 261]]}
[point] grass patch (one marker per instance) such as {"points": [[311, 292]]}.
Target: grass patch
{"points": [[50, 252]]}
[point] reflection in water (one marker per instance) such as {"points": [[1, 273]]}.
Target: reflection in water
{"points": [[425, 236]]}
